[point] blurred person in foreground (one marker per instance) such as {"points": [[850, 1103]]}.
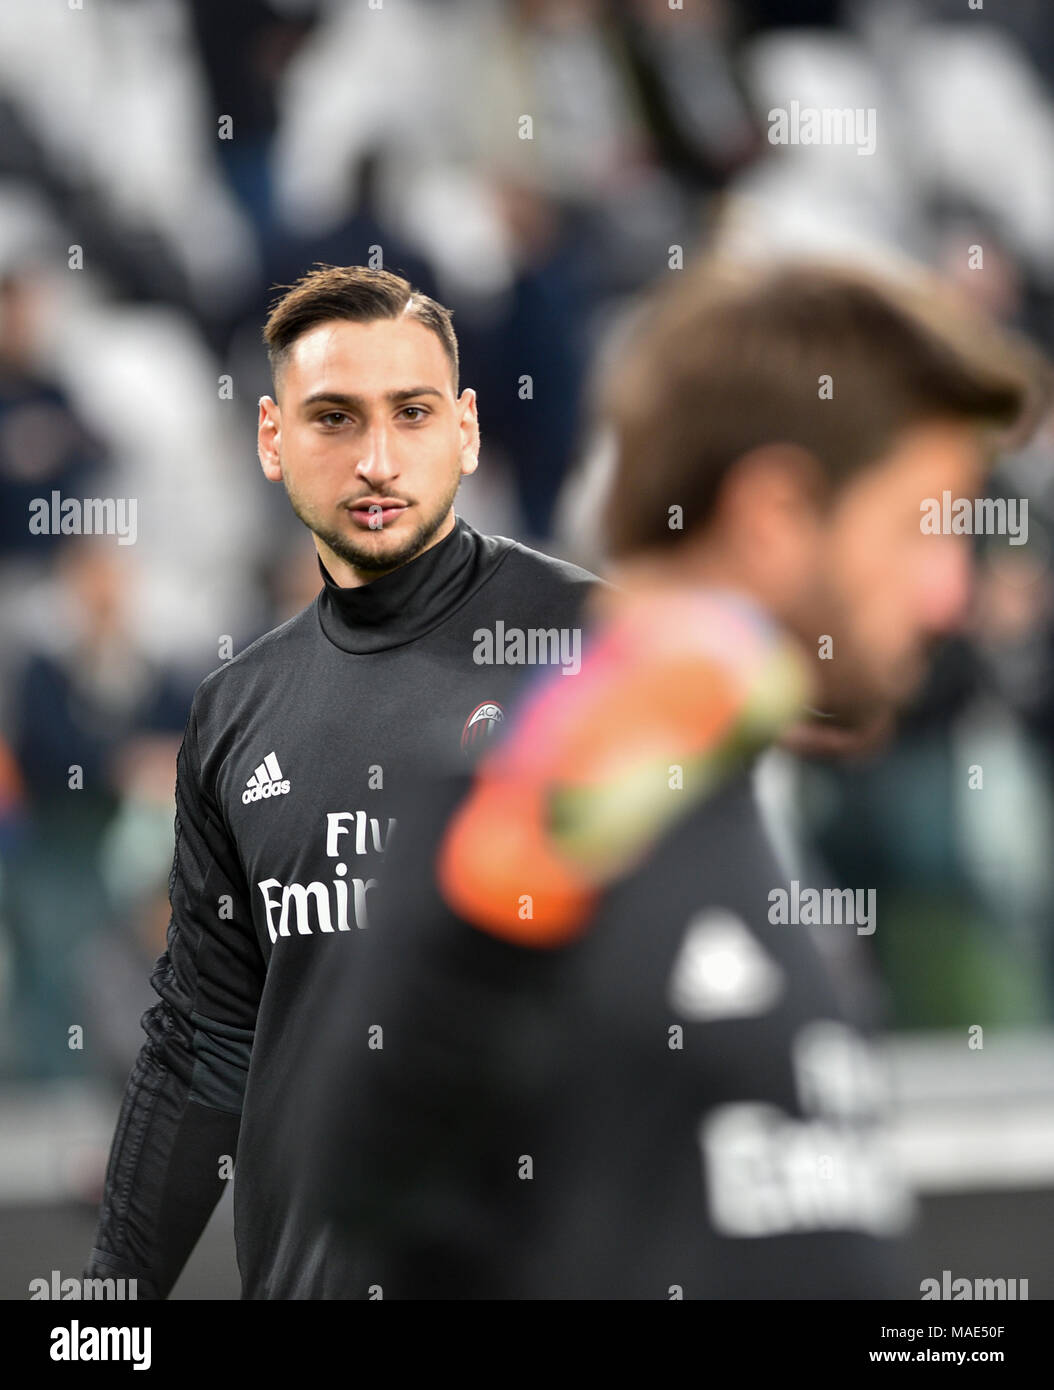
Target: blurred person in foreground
{"points": [[586, 1054], [295, 757]]}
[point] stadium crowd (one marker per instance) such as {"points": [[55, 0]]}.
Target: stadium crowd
{"points": [[535, 165]]}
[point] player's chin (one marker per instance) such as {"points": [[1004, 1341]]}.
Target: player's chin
{"points": [[858, 715], [829, 738], [380, 547], [903, 679], [869, 716]]}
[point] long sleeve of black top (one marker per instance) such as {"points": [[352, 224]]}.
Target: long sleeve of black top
{"points": [[178, 1127]]}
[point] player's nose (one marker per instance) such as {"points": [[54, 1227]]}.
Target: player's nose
{"points": [[944, 599], [377, 458]]}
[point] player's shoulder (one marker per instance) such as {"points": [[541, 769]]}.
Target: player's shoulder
{"points": [[522, 557], [520, 562], [278, 647]]}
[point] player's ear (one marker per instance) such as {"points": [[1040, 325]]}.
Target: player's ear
{"points": [[268, 439], [469, 425], [768, 490], [769, 518]]}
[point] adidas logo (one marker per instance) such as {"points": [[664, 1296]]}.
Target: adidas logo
{"points": [[267, 780]]}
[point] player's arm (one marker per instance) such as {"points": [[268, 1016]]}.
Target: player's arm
{"points": [[181, 1110]]}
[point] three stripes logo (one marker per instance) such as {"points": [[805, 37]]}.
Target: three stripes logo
{"points": [[266, 781]]}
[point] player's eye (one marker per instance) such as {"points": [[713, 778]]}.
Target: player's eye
{"points": [[332, 417], [418, 412]]}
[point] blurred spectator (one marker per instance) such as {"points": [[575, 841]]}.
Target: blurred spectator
{"points": [[83, 692], [44, 445]]}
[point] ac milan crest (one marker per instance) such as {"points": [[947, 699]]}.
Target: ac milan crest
{"points": [[481, 725]]}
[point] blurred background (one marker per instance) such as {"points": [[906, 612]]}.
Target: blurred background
{"points": [[165, 163]]}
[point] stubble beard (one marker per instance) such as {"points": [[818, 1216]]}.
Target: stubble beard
{"points": [[367, 556], [847, 694]]}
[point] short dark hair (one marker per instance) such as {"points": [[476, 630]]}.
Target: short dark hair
{"points": [[730, 359], [356, 293]]}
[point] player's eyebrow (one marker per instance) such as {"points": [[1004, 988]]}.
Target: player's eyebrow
{"points": [[353, 402]]}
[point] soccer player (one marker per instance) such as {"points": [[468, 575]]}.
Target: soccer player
{"points": [[592, 1050], [295, 753]]}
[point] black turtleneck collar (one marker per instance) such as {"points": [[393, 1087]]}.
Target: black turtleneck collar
{"points": [[409, 602]]}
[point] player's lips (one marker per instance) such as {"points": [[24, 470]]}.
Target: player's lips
{"points": [[368, 511]]}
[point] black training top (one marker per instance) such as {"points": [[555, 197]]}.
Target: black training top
{"points": [[288, 785]]}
